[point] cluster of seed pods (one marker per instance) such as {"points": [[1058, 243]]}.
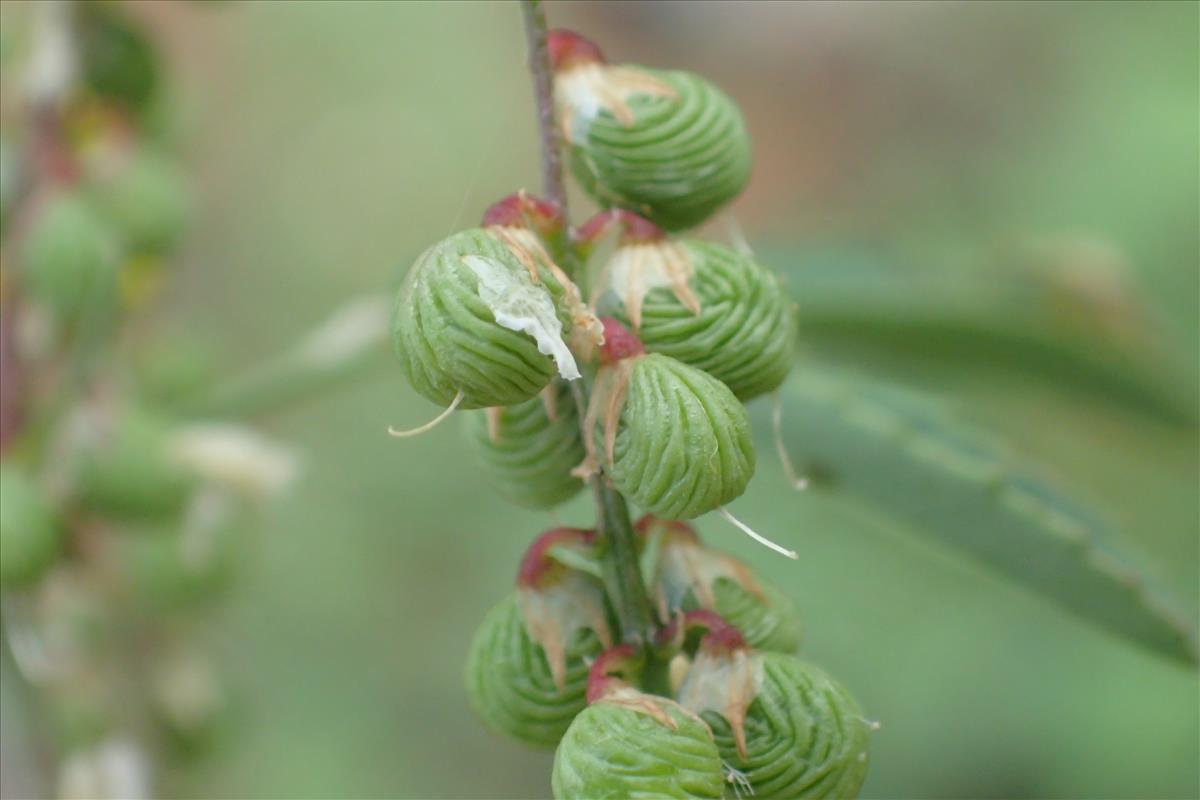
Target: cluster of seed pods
{"points": [[121, 521], [623, 352]]}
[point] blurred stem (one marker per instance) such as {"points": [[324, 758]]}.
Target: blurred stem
{"points": [[348, 344], [275, 385], [615, 535]]}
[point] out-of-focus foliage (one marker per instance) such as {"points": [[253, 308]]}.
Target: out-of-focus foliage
{"points": [[331, 142]]}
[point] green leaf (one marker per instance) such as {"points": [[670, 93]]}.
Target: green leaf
{"points": [[901, 455], [1057, 315]]}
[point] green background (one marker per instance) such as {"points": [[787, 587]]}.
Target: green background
{"points": [[332, 142]]}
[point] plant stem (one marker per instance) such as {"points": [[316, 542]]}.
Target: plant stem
{"points": [[614, 530], [619, 562], [553, 188]]}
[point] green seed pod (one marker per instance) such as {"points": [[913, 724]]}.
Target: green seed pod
{"points": [[147, 203], [690, 576], [128, 472], [668, 145], [705, 305], [177, 570], [674, 440], [480, 320], [30, 536], [530, 449], [175, 367], [119, 63], [786, 727], [509, 682], [768, 619], [527, 668], [627, 744], [71, 259], [614, 751]]}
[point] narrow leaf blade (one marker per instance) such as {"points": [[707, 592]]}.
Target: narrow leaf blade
{"points": [[901, 455], [1022, 319]]}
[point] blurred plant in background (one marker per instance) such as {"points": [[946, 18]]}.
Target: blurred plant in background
{"points": [[987, 202], [123, 517]]}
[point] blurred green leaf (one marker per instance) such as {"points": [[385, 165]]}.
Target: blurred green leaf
{"points": [[902, 456], [1063, 310], [354, 339]]}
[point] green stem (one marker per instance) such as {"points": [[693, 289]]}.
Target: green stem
{"points": [[553, 186], [619, 562], [617, 541]]}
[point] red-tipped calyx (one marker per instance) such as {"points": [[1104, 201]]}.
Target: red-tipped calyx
{"points": [[537, 566], [720, 637], [568, 49], [619, 342], [634, 229], [605, 672], [521, 210]]}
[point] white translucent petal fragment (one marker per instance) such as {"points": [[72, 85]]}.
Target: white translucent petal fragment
{"points": [[635, 270], [235, 456], [586, 331], [519, 304], [725, 683], [583, 92], [686, 565], [553, 613]]}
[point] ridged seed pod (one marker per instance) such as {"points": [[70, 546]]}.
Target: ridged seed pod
{"points": [[119, 62], [804, 736], [674, 439], [668, 145], [768, 619], [689, 576], [179, 570], [71, 259], [709, 307], [471, 318], [527, 670], [510, 684], [147, 203], [628, 745], [530, 448], [129, 472], [30, 536]]}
